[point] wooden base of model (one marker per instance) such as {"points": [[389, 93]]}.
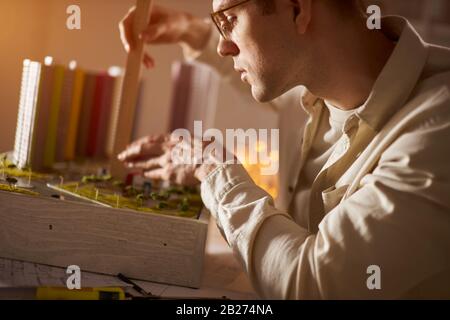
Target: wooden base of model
{"points": [[104, 240]]}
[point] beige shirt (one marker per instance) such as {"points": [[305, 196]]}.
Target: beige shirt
{"points": [[328, 134], [382, 197]]}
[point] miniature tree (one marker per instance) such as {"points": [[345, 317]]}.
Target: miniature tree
{"points": [[4, 157], [11, 182], [184, 205], [86, 179], [164, 195], [175, 190], [140, 199], [162, 205], [188, 189], [159, 196], [131, 191], [106, 177], [154, 196], [118, 184], [91, 178]]}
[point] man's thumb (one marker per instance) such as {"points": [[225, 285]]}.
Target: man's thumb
{"points": [[152, 33]]}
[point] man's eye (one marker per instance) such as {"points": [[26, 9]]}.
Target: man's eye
{"points": [[231, 20], [228, 23], [225, 26]]}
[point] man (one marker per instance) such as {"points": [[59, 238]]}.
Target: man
{"points": [[367, 186]]}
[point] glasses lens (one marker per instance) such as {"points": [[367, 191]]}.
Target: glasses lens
{"points": [[221, 24]]}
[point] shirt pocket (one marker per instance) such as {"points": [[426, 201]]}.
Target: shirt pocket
{"points": [[332, 196]]}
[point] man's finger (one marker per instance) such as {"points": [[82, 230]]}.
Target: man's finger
{"points": [[126, 30], [157, 174], [149, 139], [144, 148], [130, 153], [148, 61], [153, 32], [123, 38], [146, 165], [133, 153]]}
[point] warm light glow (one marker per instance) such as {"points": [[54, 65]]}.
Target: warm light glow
{"points": [[115, 71], [48, 61], [269, 183], [274, 156], [72, 65], [260, 146]]}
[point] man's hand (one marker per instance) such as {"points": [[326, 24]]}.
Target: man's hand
{"points": [[166, 26], [164, 157], [144, 148], [154, 156]]}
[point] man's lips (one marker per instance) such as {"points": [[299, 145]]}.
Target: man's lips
{"points": [[242, 72]]}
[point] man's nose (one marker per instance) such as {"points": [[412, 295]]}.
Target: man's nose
{"points": [[227, 48]]}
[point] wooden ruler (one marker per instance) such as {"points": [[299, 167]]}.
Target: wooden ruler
{"points": [[130, 88]]}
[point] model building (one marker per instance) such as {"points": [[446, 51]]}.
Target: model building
{"points": [[65, 113]]}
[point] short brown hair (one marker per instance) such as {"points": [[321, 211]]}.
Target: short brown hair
{"points": [[349, 7], [344, 6], [267, 6]]}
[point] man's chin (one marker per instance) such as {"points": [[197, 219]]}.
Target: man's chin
{"points": [[262, 96]]}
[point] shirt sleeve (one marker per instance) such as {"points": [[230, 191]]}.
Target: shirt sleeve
{"points": [[398, 220]]}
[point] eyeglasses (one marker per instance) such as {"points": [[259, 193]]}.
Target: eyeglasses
{"points": [[223, 24]]}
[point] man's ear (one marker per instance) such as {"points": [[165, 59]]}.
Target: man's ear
{"points": [[302, 9]]}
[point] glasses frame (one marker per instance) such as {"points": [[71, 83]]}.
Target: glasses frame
{"points": [[219, 12]]}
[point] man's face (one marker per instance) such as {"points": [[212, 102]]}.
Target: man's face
{"points": [[264, 47]]}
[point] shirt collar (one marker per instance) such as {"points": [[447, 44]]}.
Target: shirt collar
{"points": [[400, 74], [397, 79], [308, 101]]}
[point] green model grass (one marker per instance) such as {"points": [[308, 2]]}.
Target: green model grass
{"points": [[7, 168], [7, 188], [185, 204]]}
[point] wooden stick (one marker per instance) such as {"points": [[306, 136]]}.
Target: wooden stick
{"points": [[117, 200], [125, 122], [29, 177]]}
